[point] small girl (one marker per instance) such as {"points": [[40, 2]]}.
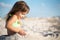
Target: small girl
{"points": [[19, 10]]}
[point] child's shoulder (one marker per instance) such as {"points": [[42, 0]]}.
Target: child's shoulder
{"points": [[13, 18]]}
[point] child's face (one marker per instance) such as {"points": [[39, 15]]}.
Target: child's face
{"points": [[22, 14]]}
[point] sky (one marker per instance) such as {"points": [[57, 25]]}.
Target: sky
{"points": [[38, 8]]}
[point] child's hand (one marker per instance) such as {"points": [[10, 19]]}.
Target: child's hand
{"points": [[22, 32]]}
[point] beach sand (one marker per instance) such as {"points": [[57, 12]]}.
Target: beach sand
{"points": [[33, 26]]}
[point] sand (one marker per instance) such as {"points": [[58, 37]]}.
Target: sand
{"points": [[34, 28]]}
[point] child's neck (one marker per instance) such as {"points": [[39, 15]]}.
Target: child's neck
{"points": [[18, 17]]}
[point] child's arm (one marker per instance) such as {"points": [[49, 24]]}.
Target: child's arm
{"points": [[10, 27]]}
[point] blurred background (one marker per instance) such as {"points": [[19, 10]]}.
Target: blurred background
{"points": [[38, 8]]}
